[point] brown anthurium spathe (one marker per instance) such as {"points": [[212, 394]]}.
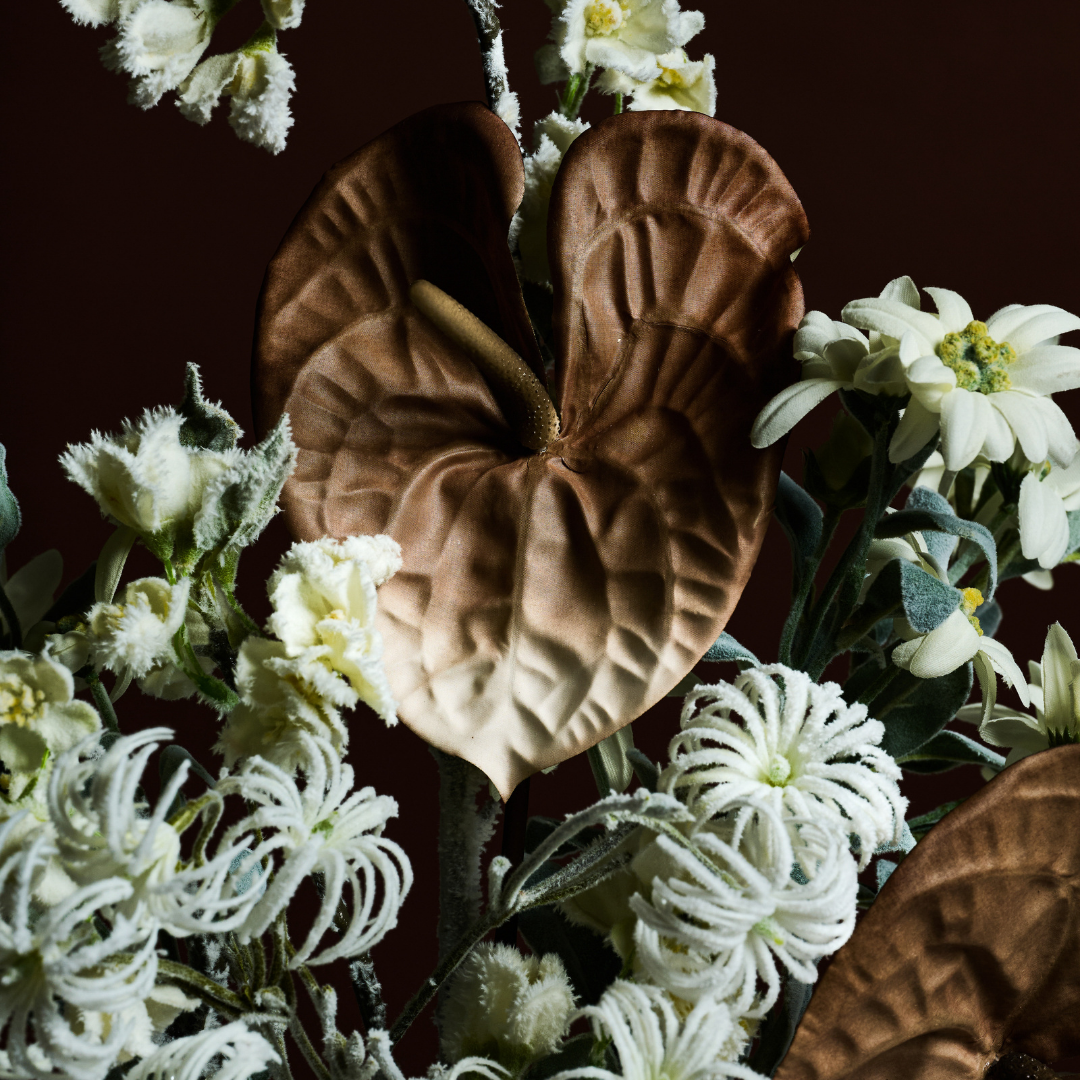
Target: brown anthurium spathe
{"points": [[548, 597], [971, 951]]}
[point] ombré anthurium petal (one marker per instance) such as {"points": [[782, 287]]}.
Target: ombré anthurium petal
{"points": [[971, 949], [549, 597]]}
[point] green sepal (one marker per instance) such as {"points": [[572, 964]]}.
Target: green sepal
{"points": [[206, 425], [172, 757], [591, 964], [848, 497], [948, 750], [10, 516]]}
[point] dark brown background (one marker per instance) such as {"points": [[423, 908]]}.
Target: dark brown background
{"points": [[938, 141]]}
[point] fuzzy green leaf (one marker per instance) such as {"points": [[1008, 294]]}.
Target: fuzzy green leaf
{"points": [[10, 517], [947, 750], [206, 424], [726, 648], [923, 712], [802, 521]]}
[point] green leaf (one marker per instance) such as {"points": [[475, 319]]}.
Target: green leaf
{"points": [[647, 773], [590, 963], [539, 828], [172, 757], [778, 1029], [802, 521], [947, 750], [10, 517], [725, 648], [939, 544], [926, 601], [915, 710], [111, 561], [206, 424], [77, 599], [922, 824], [573, 1054]]}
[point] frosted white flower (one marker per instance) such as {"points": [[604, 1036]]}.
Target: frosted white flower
{"points": [[719, 920], [324, 827], [283, 14], [103, 832], [654, 1043], [38, 711], [626, 35], [30, 589], [52, 957], [985, 386], [835, 356], [24, 807], [158, 45], [1047, 494], [171, 683], [1054, 690], [144, 478], [506, 1006], [323, 595], [682, 84], [799, 747], [281, 698], [98, 12], [244, 1054], [135, 632]]}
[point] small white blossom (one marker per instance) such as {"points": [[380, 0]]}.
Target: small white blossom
{"points": [[1046, 497], [327, 828], [799, 747], [283, 14], [134, 633], [506, 1006], [98, 12], [243, 1053], [103, 832], [37, 710], [55, 956], [158, 45], [654, 1043], [720, 925], [683, 84], [984, 386]]}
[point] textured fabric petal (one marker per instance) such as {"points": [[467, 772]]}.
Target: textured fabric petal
{"points": [[1002, 323], [953, 310], [1014, 730], [895, 319], [1037, 328], [930, 380], [1046, 369], [789, 407], [1022, 415], [1044, 526], [917, 427], [964, 426], [1004, 664], [945, 648], [903, 290], [1058, 658], [999, 441]]}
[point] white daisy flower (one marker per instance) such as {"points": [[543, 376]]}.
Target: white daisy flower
{"points": [[777, 737], [654, 1043], [984, 386], [55, 956], [1047, 494], [683, 84], [243, 1054], [134, 633], [329, 829], [104, 832], [506, 1006], [718, 925]]}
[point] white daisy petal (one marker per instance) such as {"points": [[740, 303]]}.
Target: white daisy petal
{"points": [[895, 319], [1044, 526], [965, 423], [953, 310], [785, 410], [1023, 417], [1047, 369], [1001, 324], [1038, 327], [916, 428]]}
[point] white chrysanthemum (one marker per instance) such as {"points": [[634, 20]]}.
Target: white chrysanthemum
{"points": [[683, 84], [243, 1054], [552, 137], [985, 386], [55, 956], [626, 35], [1046, 497], [103, 832], [506, 1006], [329, 829], [144, 477], [158, 45], [30, 589], [653, 1043], [38, 711], [720, 925], [282, 698], [134, 633], [799, 747], [323, 595], [98, 12], [835, 356]]}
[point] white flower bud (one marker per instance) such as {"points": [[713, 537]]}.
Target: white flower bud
{"points": [[135, 634]]}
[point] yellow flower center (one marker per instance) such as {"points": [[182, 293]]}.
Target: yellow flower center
{"points": [[603, 17], [980, 363], [970, 601], [19, 703], [671, 77]]}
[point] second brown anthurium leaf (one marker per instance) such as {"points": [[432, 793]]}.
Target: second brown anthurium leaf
{"points": [[972, 949], [547, 597]]}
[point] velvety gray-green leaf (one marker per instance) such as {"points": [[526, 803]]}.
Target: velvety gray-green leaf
{"points": [[206, 424], [646, 772], [951, 746], [172, 757], [801, 519], [726, 648], [939, 544], [916, 719], [10, 517]]}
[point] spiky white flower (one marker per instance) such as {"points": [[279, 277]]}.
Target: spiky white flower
{"points": [[244, 1054], [52, 957], [103, 832], [283, 14], [98, 12], [506, 1006], [626, 35], [24, 806], [654, 1043], [134, 633], [1047, 494], [281, 698], [38, 712], [552, 137], [144, 477], [984, 386], [718, 920], [776, 736], [159, 43], [324, 599], [683, 84], [327, 828]]}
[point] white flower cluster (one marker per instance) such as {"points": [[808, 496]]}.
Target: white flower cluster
{"points": [[160, 45]]}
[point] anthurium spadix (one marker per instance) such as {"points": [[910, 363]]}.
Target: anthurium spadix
{"points": [[547, 596]]}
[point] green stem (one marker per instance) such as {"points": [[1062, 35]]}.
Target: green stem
{"points": [[8, 611], [618, 105], [102, 703], [596, 763], [798, 605], [574, 94], [214, 994]]}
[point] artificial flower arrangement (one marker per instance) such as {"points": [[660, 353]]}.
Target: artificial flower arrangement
{"points": [[528, 481]]}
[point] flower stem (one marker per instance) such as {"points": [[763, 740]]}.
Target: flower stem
{"points": [[102, 703]]}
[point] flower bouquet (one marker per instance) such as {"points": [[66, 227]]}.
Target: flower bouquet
{"points": [[520, 412]]}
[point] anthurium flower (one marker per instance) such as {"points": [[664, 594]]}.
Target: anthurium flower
{"points": [[546, 597]]}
